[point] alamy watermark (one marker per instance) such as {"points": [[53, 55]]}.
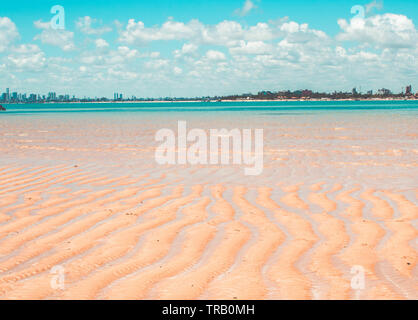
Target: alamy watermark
{"points": [[211, 149], [359, 10], [58, 278], [358, 280], [58, 20]]}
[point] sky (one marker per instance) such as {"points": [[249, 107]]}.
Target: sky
{"points": [[165, 48]]}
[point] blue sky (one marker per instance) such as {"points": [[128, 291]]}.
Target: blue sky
{"points": [[193, 48]]}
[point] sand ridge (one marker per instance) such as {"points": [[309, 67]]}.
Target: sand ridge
{"points": [[152, 238]]}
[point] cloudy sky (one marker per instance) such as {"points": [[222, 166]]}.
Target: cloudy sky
{"points": [[201, 47]]}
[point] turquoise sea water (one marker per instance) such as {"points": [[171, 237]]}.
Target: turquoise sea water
{"points": [[280, 106]]}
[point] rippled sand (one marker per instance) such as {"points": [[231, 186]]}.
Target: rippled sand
{"points": [[83, 192]]}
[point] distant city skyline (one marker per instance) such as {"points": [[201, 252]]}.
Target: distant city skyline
{"points": [[206, 48], [17, 97]]}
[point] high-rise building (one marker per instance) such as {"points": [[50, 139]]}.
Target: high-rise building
{"points": [[408, 90], [52, 96], [32, 97], [7, 95]]}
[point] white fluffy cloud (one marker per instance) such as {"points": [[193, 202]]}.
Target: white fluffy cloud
{"points": [[379, 51], [177, 70], [156, 64], [26, 58], [214, 55], [56, 37], [188, 49], [136, 32], [384, 31], [298, 33], [374, 5], [85, 25], [252, 47], [227, 33], [123, 55], [101, 43], [247, 7], [8, 33]]}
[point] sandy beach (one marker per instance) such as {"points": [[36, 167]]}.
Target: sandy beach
{"points": [[82, 194]]}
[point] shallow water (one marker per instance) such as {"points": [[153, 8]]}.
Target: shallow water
{"points": [[80, 188], [357, 141]]}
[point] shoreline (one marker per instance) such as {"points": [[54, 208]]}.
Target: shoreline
{"points": [[215, 101]]}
